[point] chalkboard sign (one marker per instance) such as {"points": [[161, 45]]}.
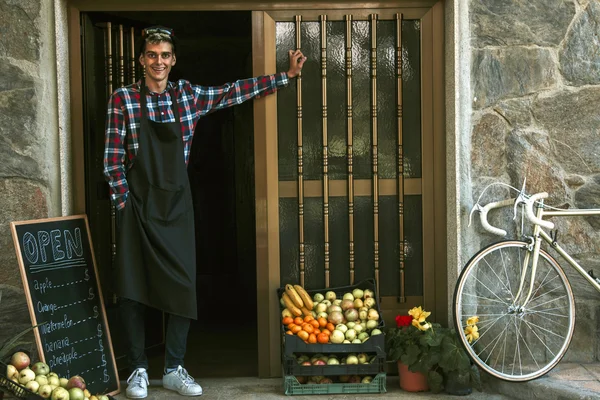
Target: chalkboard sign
{"points": [[63, 293]]}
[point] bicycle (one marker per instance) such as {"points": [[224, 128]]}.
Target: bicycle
{"points": [[513, 301]]}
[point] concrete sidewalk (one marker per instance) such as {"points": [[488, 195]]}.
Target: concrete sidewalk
{"points": [[272, 389], [565, 382]]}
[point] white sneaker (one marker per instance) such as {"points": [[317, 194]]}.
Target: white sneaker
{"points": [[137, 387], [181, 382]]}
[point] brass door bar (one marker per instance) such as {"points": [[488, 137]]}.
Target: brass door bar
{"points": [[132, 54], [109, 57], [300, 156], [323, 20], [121, 57], [373, 23], [348, 19], [401, 182]]}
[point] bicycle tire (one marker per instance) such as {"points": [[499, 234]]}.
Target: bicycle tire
{"points": [[536, 336]]}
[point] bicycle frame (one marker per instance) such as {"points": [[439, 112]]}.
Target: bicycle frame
{"points": [[538, 235]]}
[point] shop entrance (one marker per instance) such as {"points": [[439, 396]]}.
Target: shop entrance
{"points": [[213, 48]]}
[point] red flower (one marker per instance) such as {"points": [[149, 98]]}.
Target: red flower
{"points": [[403, 320]]}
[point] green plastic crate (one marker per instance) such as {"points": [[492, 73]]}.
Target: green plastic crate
{"points": [[293, 387]]}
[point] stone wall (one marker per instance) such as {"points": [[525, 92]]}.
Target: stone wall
{"points": [[28, 141], [535, 79]]}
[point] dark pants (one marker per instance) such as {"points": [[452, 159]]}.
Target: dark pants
{"points": [[133, 319]]}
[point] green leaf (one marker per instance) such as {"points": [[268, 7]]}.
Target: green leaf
{"points": [[475, 377], [435, 381]]}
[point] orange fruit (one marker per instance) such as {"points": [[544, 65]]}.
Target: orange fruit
{"points": [[312, 338], [296, 329], [326, 331], [317, 331], [290, 326], [287, 320], [308, 318], [330, 327], [308, 328], [322, 322], [315, 323], [303, 335], [323, 338], [298, 320], [289, 333]]}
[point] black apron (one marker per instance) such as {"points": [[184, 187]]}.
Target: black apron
{"points": [[156, 253]]}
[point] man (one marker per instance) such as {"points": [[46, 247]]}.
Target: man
{"points": [[149, 130]]}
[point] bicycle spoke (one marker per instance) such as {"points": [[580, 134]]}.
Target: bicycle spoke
{"points": [[517, 342], [502, 283], [541, 341], [549, 301]]}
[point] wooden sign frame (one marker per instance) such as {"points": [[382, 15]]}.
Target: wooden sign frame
{"points": [[27, 289]]}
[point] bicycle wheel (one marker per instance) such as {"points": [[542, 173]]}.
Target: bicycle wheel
{"points": [[514, 341]]}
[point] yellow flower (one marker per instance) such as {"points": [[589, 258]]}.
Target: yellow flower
{"points": [[418, 314], [473, 320], [420, 327], [472, 333]]}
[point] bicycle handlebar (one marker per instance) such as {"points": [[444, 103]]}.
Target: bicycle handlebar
{"points": [[484, 212], [529, 210]]}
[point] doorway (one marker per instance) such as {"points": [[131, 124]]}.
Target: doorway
{"points": [[213, 48]]}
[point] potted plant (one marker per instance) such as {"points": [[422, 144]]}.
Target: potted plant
{"points": [[433, 351], [416, 345]]}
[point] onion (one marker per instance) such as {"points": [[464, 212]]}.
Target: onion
{"points": [[333, 308], [372, 324], [317, 298], [346, 304], [358, 294], [369, 303], [348, 296], [358, 303], [368, 293], [335, 317], [330, 296], [351, 314]]}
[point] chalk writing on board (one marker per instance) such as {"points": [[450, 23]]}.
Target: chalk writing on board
{"points": [[63, 292]]}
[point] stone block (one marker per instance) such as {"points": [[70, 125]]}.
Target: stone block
{"points": [[515, 22], [517, 112], [572, 120], [19, 135], [503, 73], [488, 154], [583, 344], [19, 32], [13, 77], [529, 154], [20, 201], [579, 57], [588, 196]]}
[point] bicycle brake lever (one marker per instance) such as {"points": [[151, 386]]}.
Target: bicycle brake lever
{"points": [[476, 207], [521, 198]]}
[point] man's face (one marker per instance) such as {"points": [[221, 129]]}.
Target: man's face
{"points": [[158, 60]]}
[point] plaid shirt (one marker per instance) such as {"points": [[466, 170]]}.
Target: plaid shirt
{"points": [[123, 119]]}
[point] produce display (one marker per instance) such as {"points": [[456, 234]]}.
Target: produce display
{"points": [[38, 379], [312, 380], [334, 359], [325, 318]]}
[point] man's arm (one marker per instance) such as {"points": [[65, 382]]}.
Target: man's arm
{"points": [[213, 98], [114, 152]]}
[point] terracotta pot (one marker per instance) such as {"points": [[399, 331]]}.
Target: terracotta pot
{"points": [[411, 381]]}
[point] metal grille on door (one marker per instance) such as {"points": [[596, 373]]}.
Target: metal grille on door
{"points": [[346, 179]]}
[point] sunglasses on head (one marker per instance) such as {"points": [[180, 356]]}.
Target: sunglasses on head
{"points": [[154, 30]]}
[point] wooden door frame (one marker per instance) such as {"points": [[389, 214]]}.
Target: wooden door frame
{"points": [[267, 200]]}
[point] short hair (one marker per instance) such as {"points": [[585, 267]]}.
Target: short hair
{"points": [[157, 34]]}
